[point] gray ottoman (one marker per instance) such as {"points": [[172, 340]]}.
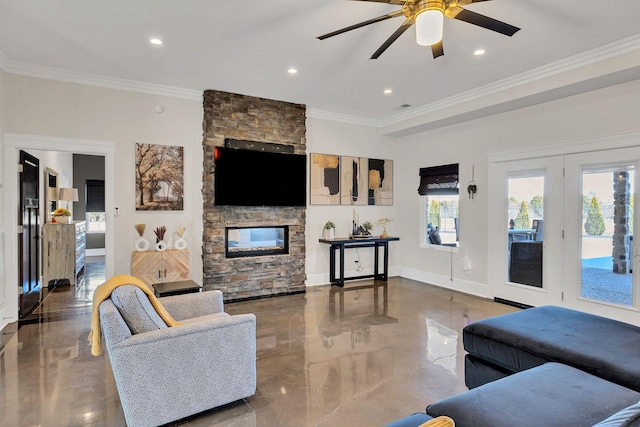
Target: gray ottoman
{"points": [[501, 345]]}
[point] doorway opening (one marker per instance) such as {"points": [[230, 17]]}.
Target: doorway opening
{"points": [[9, 311]]}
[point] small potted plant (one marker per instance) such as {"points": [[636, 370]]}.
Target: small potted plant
{"points": [[61, 216], [329, 230]]}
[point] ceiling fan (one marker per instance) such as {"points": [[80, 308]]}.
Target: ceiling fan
{"points": [[428, 15]]}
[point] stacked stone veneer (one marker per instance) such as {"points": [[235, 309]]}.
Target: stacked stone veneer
{"points": [[228, 115], [621, 208]]}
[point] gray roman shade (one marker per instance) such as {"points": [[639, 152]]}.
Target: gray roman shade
{"points": [[439, 180]]}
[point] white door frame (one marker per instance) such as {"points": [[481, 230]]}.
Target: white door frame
{"points": [[13, 143]]}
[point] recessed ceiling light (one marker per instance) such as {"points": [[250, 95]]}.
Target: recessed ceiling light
{"points": [[157, 42], [292, 71], [479, 52], [388, 91]]}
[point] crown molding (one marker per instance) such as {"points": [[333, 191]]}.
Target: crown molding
{"points": [[572, 63], [594, 56], [596, 143], [339, 117], [608, 51], [59, 74]]}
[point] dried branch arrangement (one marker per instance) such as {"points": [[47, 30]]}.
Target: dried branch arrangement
{"points": [[140, 229], [180, 231], [160, 231]]}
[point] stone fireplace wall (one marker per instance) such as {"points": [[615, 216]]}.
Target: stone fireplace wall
{"points": [[228, 115]]}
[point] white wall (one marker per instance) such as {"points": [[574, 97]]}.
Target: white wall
{"points": [[59, 162], [604, 112], [329, 137], [58, 109]]}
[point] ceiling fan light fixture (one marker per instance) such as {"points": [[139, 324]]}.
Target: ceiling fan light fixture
{"points": [[429, 22]]}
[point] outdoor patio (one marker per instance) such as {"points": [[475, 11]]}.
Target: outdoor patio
{"points": [[598, 279]]}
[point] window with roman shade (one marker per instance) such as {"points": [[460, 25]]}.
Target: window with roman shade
{"points": [[94, 193], [439, 180]]}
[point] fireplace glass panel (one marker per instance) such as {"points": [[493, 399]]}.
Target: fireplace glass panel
{"points": [[255, 241]]}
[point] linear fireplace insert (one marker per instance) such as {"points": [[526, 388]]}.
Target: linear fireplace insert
{"points": [[256, 241]]}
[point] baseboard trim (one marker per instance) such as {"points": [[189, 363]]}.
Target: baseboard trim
{"points": [[511, 303], [95, 252], [281, 294]]}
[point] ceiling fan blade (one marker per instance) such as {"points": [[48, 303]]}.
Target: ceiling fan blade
{"points": [[393, 38], [437, 49], [482, 21], [361, 24]]}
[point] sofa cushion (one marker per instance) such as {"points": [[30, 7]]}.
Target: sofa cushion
{"points": [[136, 309], [517, 341], [627, 417], [551, 395]]}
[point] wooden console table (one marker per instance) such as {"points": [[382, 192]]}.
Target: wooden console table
{"points": [[341, 243]]}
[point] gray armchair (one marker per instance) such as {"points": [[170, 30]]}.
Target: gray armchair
{"points": [[168, 373]]}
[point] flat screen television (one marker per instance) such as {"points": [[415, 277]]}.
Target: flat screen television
{"points": [[259, 178]]}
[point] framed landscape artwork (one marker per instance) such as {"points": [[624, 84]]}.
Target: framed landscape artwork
{"points": [[324, 179], [159, 177]]}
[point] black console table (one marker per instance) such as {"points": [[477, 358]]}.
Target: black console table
{"points": [[340, 244]]}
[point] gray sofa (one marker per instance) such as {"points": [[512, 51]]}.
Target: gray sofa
{"points": [[547, 366], [167, 373]]}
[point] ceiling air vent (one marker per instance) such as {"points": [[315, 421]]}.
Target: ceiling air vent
{"points": [[403, 107]]}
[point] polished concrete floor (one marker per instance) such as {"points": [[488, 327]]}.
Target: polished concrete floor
{"points": [[363, 355]]}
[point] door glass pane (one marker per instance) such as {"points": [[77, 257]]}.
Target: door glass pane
{"points": [[607, 234], [526, 228]]}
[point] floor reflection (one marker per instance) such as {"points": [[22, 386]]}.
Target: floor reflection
{"points": [[361, 355], [359, 308]]}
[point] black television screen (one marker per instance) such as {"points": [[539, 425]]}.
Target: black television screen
{"points": [[259, 178]]}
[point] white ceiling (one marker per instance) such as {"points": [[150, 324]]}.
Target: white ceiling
{"points": [[247, 46]]}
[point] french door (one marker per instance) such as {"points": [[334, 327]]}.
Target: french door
{"points": [[528, 231], [584, 255], [599, 237]]}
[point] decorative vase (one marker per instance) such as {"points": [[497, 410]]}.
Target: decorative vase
{"points": [[329, 233], [161, 246], [180, 244], [62, 219], [141, 244]]}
